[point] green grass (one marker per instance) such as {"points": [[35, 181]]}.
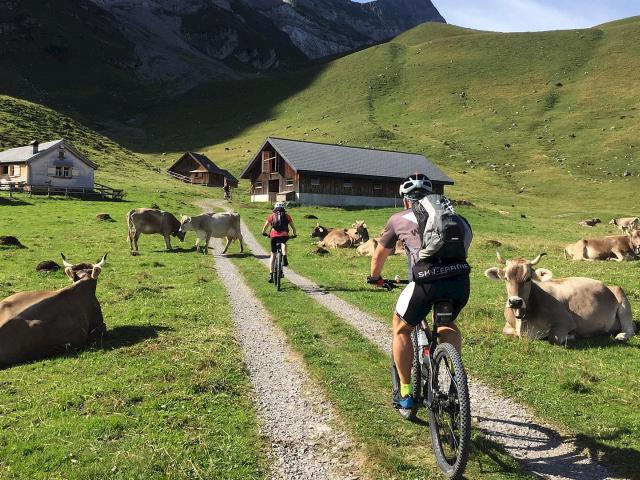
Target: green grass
{"points": [[166, 396], [582, 388], [355, 375]]}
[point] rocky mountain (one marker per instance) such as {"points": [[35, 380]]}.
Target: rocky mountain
{"points": [[79, 52], [235, 36]]}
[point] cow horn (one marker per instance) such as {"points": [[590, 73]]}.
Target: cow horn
{"points": [[501, 260], [538, 258], [65, 262], [102, 261]]}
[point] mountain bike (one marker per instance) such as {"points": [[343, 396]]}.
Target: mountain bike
{"points": [[439, 384], [278, 268], [227, 195]]}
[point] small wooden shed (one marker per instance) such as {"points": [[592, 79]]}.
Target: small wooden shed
{"points": [[196, 168]]}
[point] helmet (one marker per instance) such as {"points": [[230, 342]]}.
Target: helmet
{"points": [[278, 205], [415, 186]]}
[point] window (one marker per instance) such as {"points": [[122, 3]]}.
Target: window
{"points": [[348, 183], [289, 182], [198, 174], [61, 154], [5, 169], [315, 181], [377, 186], [274, 164], [63, 172], [258, 185]]}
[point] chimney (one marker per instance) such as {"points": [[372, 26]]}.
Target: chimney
{"points": [[35, 144]]}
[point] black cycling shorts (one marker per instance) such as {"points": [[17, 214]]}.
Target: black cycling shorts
{"points": [[416, 300], [276, 241]]}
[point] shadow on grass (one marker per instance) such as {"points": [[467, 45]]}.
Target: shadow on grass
{"points": [[176, 250], [245, 255], [568, 460], [13, 202], [128, 335], [623, 460], [603, 341]]}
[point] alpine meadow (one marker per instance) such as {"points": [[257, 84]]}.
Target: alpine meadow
{"points": [[538, 130]]}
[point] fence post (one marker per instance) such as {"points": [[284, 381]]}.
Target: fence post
{"points": [[83, 192], [48, 191], [66, 192], [10, 190]]}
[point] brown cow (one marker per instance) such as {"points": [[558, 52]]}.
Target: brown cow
{"points": [[38, 324], [148, 221], [367, 248], [344, 238], [320, 232], [617, 247], [562, 309]]}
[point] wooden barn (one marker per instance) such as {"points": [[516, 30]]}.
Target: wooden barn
{"points": [[323, 174], [196, 168]]}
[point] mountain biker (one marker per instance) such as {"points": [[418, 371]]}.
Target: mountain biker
{"points": [[416, 299], [227, 190], [280, 222]]}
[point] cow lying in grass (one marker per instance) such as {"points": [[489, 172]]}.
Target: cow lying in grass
{"points": [[626, 225], [562, 309], [617, 247], [38, 324], [346, 238]]}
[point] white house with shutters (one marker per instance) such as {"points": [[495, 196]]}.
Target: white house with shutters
{"points": [[55, 163]]}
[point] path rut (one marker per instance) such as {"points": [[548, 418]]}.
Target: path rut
{"points": [[306, 442]]}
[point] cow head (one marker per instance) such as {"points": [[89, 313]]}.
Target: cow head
{"points": [[518, 274], [81, 271], [361, 229], [634, 237], [319, 231], [613, 221], [185, 226]]}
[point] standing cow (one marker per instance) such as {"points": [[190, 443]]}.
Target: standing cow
{"points": [[559, 310], [627, 224], [38, 324], [148, 221], [216, 225]]}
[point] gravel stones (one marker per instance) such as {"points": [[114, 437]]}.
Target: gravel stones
{"points": [[306, 443]]}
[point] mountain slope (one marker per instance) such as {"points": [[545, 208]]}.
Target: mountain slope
{"points": [[542, 113]]}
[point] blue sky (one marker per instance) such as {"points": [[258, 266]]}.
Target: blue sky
{"points": [[534, 15]]}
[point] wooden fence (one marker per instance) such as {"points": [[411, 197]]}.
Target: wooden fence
{"points": [[180, 177], [104, 192]]}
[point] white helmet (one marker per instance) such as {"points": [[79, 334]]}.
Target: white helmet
{"points": [[278, 205], [416, 186]]}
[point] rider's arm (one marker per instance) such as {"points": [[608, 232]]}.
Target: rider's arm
{"points": [[380, 256], [293, 227], [264, 227]]}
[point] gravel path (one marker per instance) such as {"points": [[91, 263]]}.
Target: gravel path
{"points": [[306, 443], [538, 446]]}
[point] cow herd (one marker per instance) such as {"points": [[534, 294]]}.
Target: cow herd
{"points": [[563, 309], [37, 324]]}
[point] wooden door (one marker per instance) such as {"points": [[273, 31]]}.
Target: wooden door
{"points": [[274, 188]]}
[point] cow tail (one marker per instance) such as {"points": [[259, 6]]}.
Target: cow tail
{"points": [[623, 313], [131, 227]]}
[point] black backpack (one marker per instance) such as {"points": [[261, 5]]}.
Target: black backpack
{"points": [[279, 221]]}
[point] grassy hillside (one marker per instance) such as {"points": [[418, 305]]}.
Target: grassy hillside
{"points": [[553, 112]]}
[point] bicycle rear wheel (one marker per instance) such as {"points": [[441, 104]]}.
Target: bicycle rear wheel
{"points": [[277, 271], [450, 413]]}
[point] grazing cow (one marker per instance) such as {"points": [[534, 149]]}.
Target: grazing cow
{"points": [[216, 225], [590, 222], [626, 225], [345, 238], [148, 221], [38, 324], [562, 309], [617, 247]]}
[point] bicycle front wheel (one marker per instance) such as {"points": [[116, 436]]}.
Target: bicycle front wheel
{"points": [[450, 413]]}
